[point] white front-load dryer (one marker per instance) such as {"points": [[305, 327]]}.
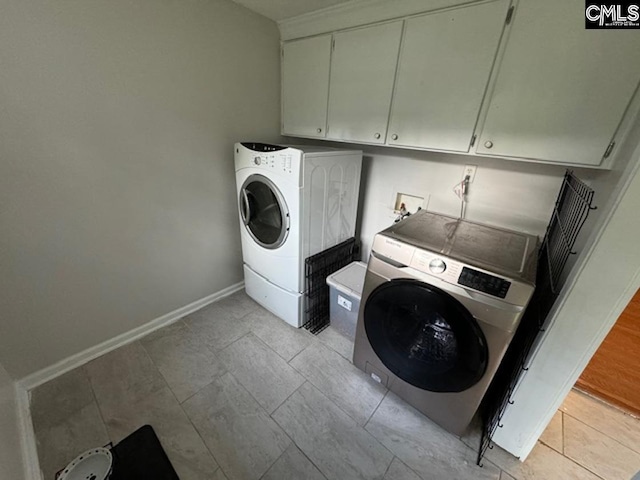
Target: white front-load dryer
{"points": [[293, 202]]}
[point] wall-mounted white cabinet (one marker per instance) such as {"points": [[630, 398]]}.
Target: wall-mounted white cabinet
{"points": [[443, 72], [363, 68], [305, 86], [517, 79], [561, 90]]}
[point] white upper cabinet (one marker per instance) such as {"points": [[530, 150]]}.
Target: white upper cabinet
{"points": [[444, 68], [561, 90], [521, 79], [363, 67], [305, 86]]}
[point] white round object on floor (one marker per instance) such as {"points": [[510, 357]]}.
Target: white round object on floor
{"points": [[94, 464]]}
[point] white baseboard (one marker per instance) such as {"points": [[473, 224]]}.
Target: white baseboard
{"points": [[23, 386], [30, 462], [49, 373]]}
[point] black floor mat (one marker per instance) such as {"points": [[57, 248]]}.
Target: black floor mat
{"points": [[140, 457]]}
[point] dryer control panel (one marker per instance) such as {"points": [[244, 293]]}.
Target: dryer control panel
{"points": [[284, 161], [277, 161]]}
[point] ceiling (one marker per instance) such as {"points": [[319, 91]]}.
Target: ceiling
{"points": [[282, 9]]}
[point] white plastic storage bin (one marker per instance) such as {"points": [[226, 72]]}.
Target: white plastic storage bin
{"points": [[345, 292]]}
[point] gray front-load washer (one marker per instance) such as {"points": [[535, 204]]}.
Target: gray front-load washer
{"points": [[441, 301]]}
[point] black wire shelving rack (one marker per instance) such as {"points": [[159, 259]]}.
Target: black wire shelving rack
{"points": [[570, 212]]}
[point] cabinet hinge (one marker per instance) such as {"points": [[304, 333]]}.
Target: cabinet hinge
{"points": [[333, 44], [609, 148], [509, 15], [473, 140]]}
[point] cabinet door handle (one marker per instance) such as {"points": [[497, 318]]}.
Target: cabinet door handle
{"points": [[376, 136], [488, 144], [319, 130], [394, 137]]}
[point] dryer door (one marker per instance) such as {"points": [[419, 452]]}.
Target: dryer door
{"points": [[425, 336], [264, 211]]}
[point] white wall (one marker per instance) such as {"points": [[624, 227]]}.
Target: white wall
{"points": [[117, 190], [10, 454], [509, 194], [605, 277]]}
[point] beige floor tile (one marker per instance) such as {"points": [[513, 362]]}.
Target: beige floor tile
{"points": [[335, 340], [552, 436], [183, 359], [336, 377], [239, 433], [56, 400], [238, 304], [340, 448], [59, 444], [126, 373], [132, 383], [423, 446], [180, 441], [472, 437], [283, 339], [598, 452], [261, 371], [604, 418], [219, 475], [399, 471], [293, 465], [543, 463], [164, 331], [219, 324], [132, 393]]}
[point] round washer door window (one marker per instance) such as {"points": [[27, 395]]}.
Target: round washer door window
{"points": [[264, 211], [425, 336]]}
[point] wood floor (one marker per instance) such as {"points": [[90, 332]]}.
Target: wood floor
{"points": [[613, 373]]}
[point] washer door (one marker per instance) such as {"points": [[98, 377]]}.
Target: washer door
{"points": [[264, 211], [425, 336]]}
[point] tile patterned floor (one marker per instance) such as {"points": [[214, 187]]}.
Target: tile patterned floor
{"points": [[235, 393], [600, 438]]}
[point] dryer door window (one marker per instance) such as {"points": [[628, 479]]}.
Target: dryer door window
{"points": [[425, 336], [264, 211]]}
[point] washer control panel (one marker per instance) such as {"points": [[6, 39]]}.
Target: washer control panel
{"points": [[483, 282], [437, 265], [434, 264], [456, 273], [447, 269]]}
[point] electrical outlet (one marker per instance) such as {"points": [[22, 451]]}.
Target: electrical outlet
{"points": [[469, 170]]}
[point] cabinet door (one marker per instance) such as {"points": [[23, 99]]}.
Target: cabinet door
{"points": [[444, 69], [362, 72], [305, 86], [561, 90]]}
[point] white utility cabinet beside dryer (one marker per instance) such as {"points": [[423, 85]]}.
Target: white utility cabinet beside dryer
{"points": [[293, 202]]}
